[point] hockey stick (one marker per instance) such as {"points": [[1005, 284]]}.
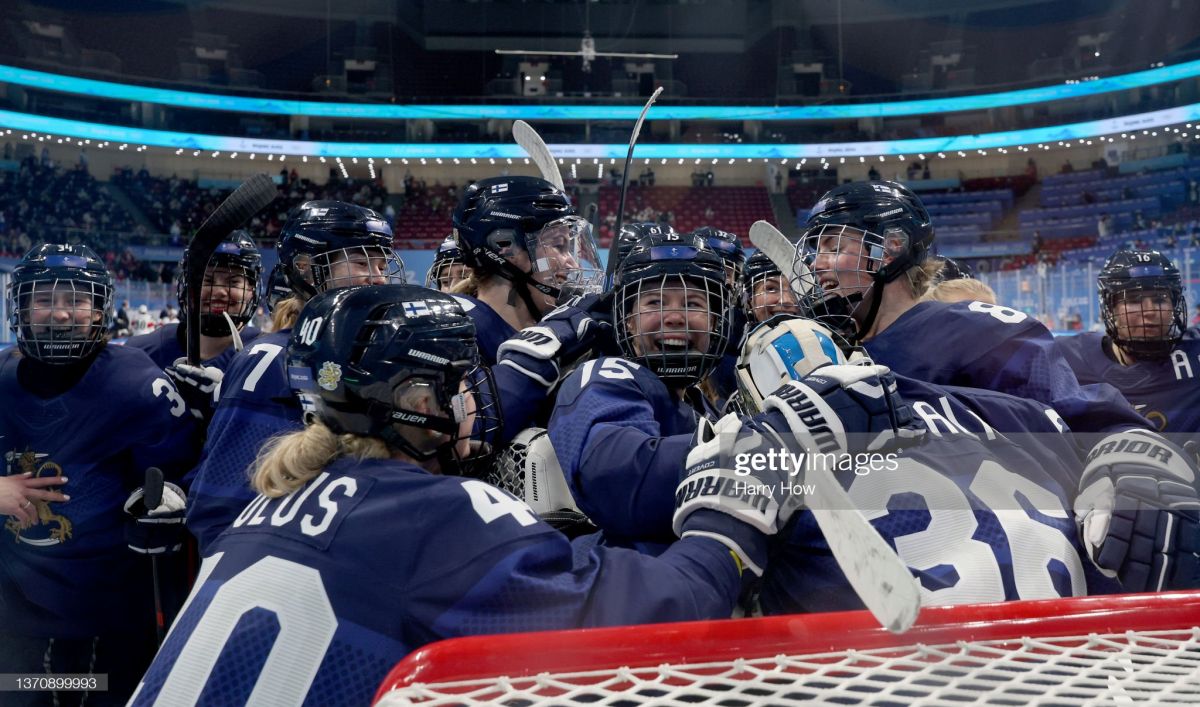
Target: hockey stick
{"points": [[782, 252], [637, 129], [245, 201], [535, 147], [152, 492]]}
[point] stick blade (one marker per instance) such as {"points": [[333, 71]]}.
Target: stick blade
{"points": [[536, 148], [782, 253]]}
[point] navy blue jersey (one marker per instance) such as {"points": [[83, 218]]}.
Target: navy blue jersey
{"points": [[168, 343], [622, 439], [978, 515], [72, 575], [980, 345], [256, 404], [1166, 392], [373, 559], [490, 328]]}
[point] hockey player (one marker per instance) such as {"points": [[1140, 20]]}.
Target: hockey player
{"points": [[228, 300], [524, 244], [448, 268], [766, 291], [720, 384], [92, 417], [861, 267], [1145, 351], [622, 427], [341, 565], [324, 245]]}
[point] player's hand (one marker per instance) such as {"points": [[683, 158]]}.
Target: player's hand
{"points": [[20, 493], [159, 530], [725, 497], [545, 349], [200, 386], [1138, 511], [864, 398]]}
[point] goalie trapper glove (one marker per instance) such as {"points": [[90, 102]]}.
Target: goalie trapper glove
{"points": [[158, 530], [1138, 512], [541, 352]]}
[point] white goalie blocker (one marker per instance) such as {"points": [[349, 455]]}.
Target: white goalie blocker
{"points": [[528, 468], [779, 350]]}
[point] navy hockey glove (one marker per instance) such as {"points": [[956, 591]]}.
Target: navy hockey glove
{"points": [[200, 386], [735, 491], [159, 530], [542, 351], [1139, 512]]}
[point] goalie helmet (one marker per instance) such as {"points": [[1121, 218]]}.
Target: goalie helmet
{"points": [[357, 352], [59, 303], [729, 247], [859, 237], [782, 349], [329, 244], [524, 229], [447, 267], [1142, 303], [765, 291], [671, 310], [231, 282]]}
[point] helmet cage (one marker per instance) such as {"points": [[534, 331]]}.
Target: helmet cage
{"points": [[1153, 299], [763, 282], [33, 304], [351, 265], [241, 271]]}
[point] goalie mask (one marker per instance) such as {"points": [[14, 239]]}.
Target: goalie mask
{"points": [[671, 311], [397, 362], [1142, 303], [330, 244], [60, 303], [782, 349], [524, 229], [230, 288], [859, 237], [448, 267]]}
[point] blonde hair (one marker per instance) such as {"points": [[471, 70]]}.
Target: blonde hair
{"points": [[286, 312], [920, 277], [960, 291], [287, 462], [469, 286]]}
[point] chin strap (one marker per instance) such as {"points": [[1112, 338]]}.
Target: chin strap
{"points": [[237, 337]]}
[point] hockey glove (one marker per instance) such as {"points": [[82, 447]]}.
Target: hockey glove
{"points": [[528, 469], [863, 396], [735, 491], [200, 386], [159, 530], [541, 352], [1138, 511]]}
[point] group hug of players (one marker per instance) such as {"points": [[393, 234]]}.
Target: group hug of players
{"points": [[547, 447]]}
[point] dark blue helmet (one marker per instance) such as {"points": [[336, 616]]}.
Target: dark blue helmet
{"points": [[363, 359], [631, 233], [236, 263], [440, 272], [952, 270], [60, 303], [1142, 303], [729, 247], [671, 311], [277, 288], [330, 244], [888, 229], [525, 230]]}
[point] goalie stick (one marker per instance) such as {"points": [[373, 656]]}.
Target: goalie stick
{"points": [[245, 201], [535, 147], [781, 252], [611, 267]]}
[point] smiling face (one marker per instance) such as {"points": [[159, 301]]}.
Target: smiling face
{"points": [[1143, 314], [669, 317], [61, 311], [771, 295], [360, 265], [225, 289]]}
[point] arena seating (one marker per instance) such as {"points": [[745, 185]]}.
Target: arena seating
{"points": [[734, 209]]}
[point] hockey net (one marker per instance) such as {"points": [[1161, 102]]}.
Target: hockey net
{"points": [[1138, 649]]}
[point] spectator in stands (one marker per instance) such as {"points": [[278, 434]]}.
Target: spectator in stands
{"points": [[873, 174], [1067, 168], [1031, 170], [925, 171], [708, 178], [1104, 226]]}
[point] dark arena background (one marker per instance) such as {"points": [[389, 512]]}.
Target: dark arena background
{"points": [[1042, 136]]}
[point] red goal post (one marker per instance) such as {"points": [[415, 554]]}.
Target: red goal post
{"points": [[1126, 649]]}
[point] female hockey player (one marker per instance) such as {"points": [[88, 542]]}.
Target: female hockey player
{"points": [[92, 418], [448, 268], [862, 265], [324, 245], [342, 565], [766, 291], [1145, 351]]}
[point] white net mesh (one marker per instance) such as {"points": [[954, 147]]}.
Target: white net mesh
{"points": [[1132, 668]]}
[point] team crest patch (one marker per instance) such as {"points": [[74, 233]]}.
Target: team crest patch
{"points": [[329, 376]]}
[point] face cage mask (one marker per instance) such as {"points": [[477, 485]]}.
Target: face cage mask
{"points": [[1160, 322], [357, 265], [238, 299], [839, 309], [442, 277], [774, 296], [673, 303], [46, 317]]}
